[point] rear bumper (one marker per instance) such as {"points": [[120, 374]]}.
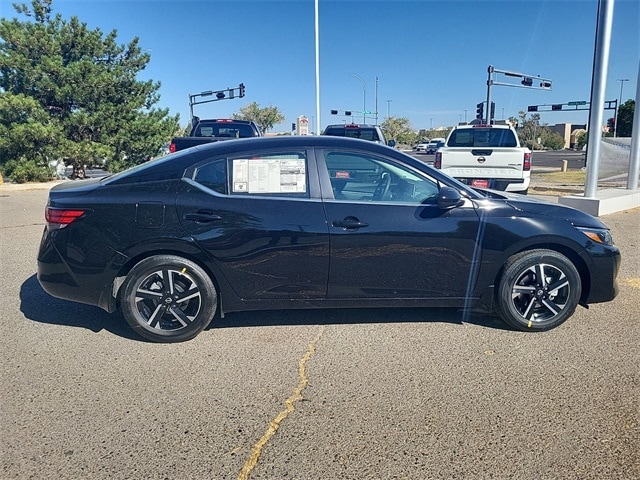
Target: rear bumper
{"points": [[62, 277], [502, 184]]}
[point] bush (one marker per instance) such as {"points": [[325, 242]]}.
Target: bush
{"points": [[23, 171]]}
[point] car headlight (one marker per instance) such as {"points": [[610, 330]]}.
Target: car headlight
{"points": [[598, 235]]}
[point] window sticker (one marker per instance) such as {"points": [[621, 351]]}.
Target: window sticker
{"points": [[268, 175], [206, 131]]}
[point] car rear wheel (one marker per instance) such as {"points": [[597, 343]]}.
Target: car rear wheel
{"points": [[166, 298], [539, 290]]}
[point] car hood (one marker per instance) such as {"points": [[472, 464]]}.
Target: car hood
{"points": [[532, 205]]}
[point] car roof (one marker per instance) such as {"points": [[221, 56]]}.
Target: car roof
{"points": [[459, 127], [175, 164]]}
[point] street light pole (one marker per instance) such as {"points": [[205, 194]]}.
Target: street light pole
{"points": [[615, 119], [388, 108], [376, 100], [364, 97]]}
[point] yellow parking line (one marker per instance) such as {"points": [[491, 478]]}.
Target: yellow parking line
{"points": [[296, 396], [632, 282]]}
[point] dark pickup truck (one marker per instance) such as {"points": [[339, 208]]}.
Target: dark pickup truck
{"points": [[215, 130]]}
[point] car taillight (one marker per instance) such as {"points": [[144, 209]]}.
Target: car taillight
{"points": [[527, 162], [438, 161], [61, 217], [172, 147]]}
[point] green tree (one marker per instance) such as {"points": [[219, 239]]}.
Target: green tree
{"points": [[551, 140], [581, 140], [84, 84], [529, 129], [625, 118], [265, 117], [398, 129]]}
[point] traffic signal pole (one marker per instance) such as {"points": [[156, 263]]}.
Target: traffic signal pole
{"points": [[526, 81], [489, 83]]}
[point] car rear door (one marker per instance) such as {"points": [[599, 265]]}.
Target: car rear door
{"points": [[260, 218], [397, 245]]}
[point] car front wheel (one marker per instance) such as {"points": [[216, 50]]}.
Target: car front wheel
{"points": [[166, 298], [538, 290]]}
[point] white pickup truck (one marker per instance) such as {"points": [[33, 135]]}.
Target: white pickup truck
{"points": [[486, 156]]}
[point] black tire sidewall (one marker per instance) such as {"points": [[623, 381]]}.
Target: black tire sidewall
{"points": [[209, 298], [513, 270]]}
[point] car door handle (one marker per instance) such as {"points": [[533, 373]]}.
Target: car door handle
{"points": [[202, 217], [349, 223]]}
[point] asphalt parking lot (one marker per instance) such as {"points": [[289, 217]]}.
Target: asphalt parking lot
{"points": [[344, 394]]}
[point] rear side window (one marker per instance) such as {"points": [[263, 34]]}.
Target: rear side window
{"points": [[482, 137], [280, 174], [213, 175], [354, 132], [224, 130], [277, 174], [362, 133]]}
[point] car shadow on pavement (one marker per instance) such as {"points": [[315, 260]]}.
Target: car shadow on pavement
{"points": [[39, 306]]}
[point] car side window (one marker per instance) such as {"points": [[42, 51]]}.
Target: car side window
{"points": [[213, 175], [364, 177], [276, 174]]}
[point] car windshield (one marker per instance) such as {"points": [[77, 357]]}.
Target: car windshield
{"points": [[482, 137]]}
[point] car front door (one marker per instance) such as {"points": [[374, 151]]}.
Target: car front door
{"points": [[389, 239], [260, 218]]}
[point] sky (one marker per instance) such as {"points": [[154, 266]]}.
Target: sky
{"points": [[425, 60]]}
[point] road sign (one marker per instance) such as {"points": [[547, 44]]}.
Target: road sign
{"points": [[581, 102]]}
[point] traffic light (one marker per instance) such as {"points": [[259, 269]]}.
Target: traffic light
{"points": [[545, 84], [611, 124], [334, 112], [556, 106], [241, 87], [231, 94], [293, 126], [532, 108], [480, 111], [347, 112], [527, 81], [493, 110]]}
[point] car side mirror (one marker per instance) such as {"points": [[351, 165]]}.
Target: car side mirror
{"points": [[449, 198]]}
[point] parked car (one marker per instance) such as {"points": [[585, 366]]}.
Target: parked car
{"points": [[312, 222], [212, 130], [372, 133], [486, 156], [422, 146], [434, 145]]}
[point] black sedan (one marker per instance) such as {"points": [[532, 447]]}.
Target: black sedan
{"points": [[313, 222]]}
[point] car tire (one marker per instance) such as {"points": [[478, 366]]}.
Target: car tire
{"points": [[168, 299], [538, 290]]}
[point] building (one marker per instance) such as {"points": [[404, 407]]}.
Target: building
{"points": [[569, 132]]}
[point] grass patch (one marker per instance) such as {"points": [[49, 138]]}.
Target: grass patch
{"points": [[573, 176]]}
